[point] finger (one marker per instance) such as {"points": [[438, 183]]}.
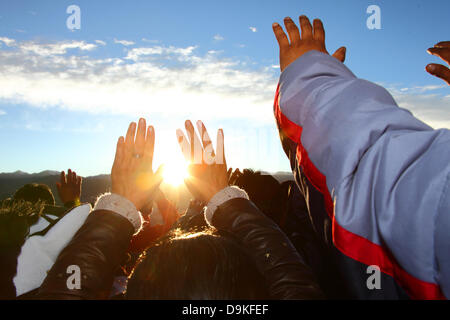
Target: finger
{"points": [[281, 37], [204, 136], [439, 71], [195, 144], [235, 175], [292, 30], [340, 54], [139, 145], [208, 153], [79, 181], [229, 172], [58, 186], [184, 145], [305, 25], [69, 176], [220, 156], [63, 178], [443, 53], [149, 146], [74, 177], [158, 176], [129, 138], [442, 44], [232, 179], [120, 148], [319, 32]]}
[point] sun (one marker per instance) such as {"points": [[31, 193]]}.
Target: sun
{"points": [[175, 172]]}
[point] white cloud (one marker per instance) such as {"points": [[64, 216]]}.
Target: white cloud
{"points": [[164, 80], [100, 42], [168, 81], [47, 49], [150, 40], [58, 48], [136, 54], [2, 113], [432, 108], [420, 89], [215, 51], [125, 43], [253, 29], [9, 42], [218, 37]]}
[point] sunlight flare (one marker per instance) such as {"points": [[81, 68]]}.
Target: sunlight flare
{"points": [[174, 173]]}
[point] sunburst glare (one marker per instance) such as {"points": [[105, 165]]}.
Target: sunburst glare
{"points": [[175, 172]]}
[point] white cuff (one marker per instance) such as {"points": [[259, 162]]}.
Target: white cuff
{"points": [[120, 205], [220, 198]]}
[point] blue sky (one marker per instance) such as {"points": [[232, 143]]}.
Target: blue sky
{"points": [[66, 96]]}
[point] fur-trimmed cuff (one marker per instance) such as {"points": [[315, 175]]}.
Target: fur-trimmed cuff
{"points": [[220, 198], [120, 205]]}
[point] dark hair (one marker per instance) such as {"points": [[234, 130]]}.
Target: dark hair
{"points": [[196, 266], [34, 192], [263, 191], [280, 202]]}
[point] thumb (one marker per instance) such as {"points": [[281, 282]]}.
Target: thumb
{"points": [[439, 71], [340, 54], [158, 176]]}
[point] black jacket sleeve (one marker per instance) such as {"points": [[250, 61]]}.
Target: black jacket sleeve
{"points": [[97, 248], [286, 273]]}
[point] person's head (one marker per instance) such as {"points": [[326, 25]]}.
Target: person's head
{"points": [[262, 189], [203, 266], [16, 216], [34, 192]]}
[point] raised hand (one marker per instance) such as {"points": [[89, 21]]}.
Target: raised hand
{"points": [[132, 175], [312, 38], [208, 170], [233, 176], [441, 50], [69, 187]]}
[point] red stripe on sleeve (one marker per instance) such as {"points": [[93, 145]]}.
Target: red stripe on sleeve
{"points": [[350, 244]]}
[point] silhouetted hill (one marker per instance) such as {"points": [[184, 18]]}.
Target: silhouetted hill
{"points": [[92, 186]]}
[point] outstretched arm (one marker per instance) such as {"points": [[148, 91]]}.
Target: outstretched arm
{"points": [[99, 246], [229, 209], [381, 171]]}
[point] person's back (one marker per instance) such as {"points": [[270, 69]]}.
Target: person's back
{"points": [[16, 217]]}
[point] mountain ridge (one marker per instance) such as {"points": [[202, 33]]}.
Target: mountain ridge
{"points": [[92, 187]]}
